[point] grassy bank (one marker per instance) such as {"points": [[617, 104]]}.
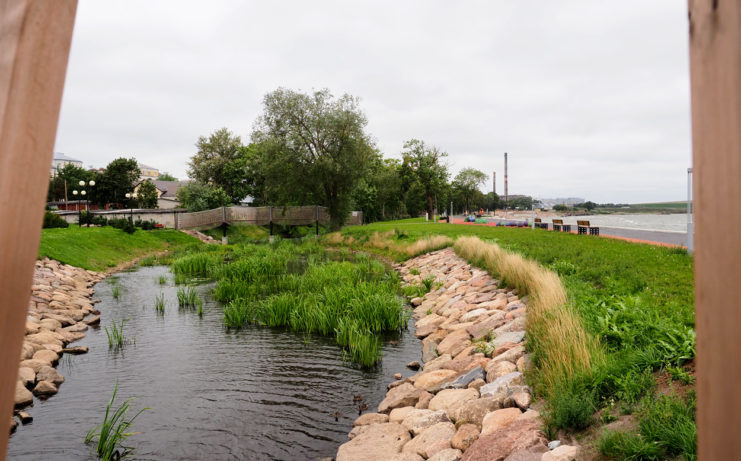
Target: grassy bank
{"points": [[304, 288], [629, 307], [99, 248]]}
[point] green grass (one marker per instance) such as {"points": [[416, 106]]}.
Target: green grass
{"points": [[115, 335], [306, 289], [162, 280], [100, 248], [116, 292], [113, 431], [636, 299], [159, 303], [188, 297]]}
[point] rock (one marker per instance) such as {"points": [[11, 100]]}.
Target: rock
{"points": [[370, 418], [379, 442], [437, 363], [424, 400], [45, 389], [54, 348], [462, 381], [562, 453], [498, 369], [45, 337], [397, 415], [416, 301], [522, 400], [75, 350], [13, 424], [406, 457], [27, 351], [432, 440], [402, 396], [473, 314], [26, 376], [499, 419], [482, 328], [511, 355], [429, 349], [552, 445], [524, 363], [533, 453], [516, 324], [529, 414], [356, 431], [465, 436], [414, 365], [49, 374], [46, 355], [396, 383], [70, 336], [449, 399], [520, 435], [94, 320], [419, 420], [449, 454], [25, 417], [455, 342], [476, 384], [49, 324], [510, 337], [77, 327], [397, 376], [65, 320], [502, 384], [431, 380], [428, 325], [473, 412], [34, 364], [23, 396]]}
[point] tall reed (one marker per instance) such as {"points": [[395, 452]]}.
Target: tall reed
{"points": [[113, 431], [115, 335], [159, 303]]}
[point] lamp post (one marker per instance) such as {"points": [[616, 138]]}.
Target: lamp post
{"points": [[79, 212], [130, 195], [83, 192]]}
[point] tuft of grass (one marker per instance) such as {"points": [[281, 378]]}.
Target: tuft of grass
{"points": [[159, 303], [115, 335], [162, 280], [187, 297], [111, 434], [200, 307], [116, 292], [627, 446]]}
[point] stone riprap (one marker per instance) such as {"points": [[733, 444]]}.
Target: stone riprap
{"points": [[59, 313], [469, 401]]}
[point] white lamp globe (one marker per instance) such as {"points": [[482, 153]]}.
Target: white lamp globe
{"points": [[82, 183]]}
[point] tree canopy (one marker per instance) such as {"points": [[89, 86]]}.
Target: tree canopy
{"points": [[116, 181], [467, 183], [220, 162], [424, 165], [146, 195], [197, 196]]}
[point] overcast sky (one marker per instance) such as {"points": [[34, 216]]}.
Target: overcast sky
{"points": [[590, 99]]}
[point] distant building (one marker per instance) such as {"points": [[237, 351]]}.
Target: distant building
{"points": [[148, 172], [61, 160], [166, 192]]}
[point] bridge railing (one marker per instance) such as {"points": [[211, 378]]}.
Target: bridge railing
{"points": [[290, 215]]}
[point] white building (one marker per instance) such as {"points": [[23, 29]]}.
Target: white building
{"points": [[61, 160], [148, 172]]}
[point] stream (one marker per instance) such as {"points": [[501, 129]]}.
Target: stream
{"points": [[256, 394]]}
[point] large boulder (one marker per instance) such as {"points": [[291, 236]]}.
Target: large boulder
{"points": [[520, 435], [462, 381], [473, 411], [371, 418], [449, 454], [510, 356], [424, 400], [454, 343], [465, 436], [46, 355], [431, 380], [499, 369], [503, 384], [510, 337], [429, 349], [45, 389], [483, 327], [419, 420], [379, 442], [50, 374], [26, 376], [406, 457], [432, 440], [428, 325], [498, 419], [449, 399], [561, 453], [34, 364], [437, 363], [397, 415], [23, 396], [404, 395], [45, 337]]}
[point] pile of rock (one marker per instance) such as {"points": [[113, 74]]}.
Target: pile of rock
{"points": [[470, 400], [60, 311]]}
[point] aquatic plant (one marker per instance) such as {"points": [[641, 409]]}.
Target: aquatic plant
{"points": [[115, 335], [235, 314], [116, 292], [187, 297], [159, 303], [162, 280], [114, 430], [200, 307]]}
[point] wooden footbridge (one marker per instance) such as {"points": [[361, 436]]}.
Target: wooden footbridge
{"points": [[261, 216]]}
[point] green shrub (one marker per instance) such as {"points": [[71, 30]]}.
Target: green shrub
{"points": [[571, 407], [53, 220]]}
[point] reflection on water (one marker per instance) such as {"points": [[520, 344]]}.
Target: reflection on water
{"points": [[256, 394]]}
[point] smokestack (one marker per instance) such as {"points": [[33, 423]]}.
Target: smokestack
{"points": [[505, 178], [494, 178]]}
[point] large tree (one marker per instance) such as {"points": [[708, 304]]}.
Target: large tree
{"points": [[116, 181], [196, 196], [146, 195], [424, 165], [466, 184], [220, 162], [68, 177], [313, 148]]}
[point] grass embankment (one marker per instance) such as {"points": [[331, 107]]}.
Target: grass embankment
{"points": [[301, 287], [100, 248], [628, 312]]}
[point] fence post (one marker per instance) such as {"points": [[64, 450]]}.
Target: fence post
{"points": [[272, 239], [715, 77]]}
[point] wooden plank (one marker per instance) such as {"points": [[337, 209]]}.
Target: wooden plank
{"points": [[34, 47], [715, 71]]}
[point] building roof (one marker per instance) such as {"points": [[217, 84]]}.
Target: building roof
{"points": [[147, 167], [62, 157], [169, 189]]}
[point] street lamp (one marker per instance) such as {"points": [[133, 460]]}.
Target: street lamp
{"points": [[83, 193], [79, 212], [131, 208]]}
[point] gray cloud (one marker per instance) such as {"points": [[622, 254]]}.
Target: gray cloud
{"points": [[590, 99]]}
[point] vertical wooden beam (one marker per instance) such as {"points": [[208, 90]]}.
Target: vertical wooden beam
{"points": [[35, 38], [715, 70]]}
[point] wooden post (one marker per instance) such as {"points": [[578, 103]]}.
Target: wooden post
{"points": [[34, 47], [715, 71]]}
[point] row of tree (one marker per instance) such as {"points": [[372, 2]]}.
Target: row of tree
{"points": [[313, 149]]}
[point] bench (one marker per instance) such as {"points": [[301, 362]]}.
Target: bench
{"points": [[540, 224], [559, 226], [583, 227]]}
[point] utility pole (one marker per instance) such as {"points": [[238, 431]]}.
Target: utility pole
{"points": [[506, 180]]}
